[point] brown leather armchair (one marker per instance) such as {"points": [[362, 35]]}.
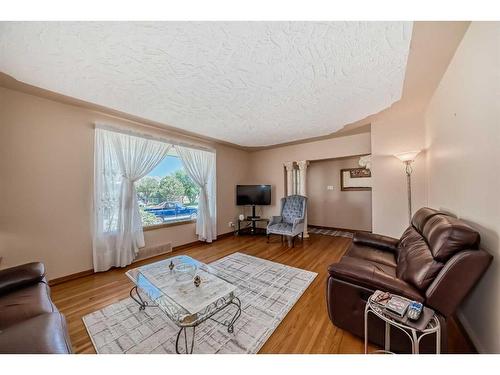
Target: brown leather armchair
{"points": [[29, 322], [437, 261]]}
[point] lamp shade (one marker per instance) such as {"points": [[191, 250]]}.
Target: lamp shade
{"points": [[407, 156]]}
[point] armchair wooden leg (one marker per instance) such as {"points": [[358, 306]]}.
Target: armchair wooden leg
{"points": [[293, 241], [268, 238], [302, 236], [281, 238]]}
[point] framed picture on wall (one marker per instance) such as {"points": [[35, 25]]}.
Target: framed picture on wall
{"points": [[355, 179]]}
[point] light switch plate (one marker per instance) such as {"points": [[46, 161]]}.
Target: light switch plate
{"points": [[329, 187]]}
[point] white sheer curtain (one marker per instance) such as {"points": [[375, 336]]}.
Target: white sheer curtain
{"points": [[200, 166], [120, 159]]}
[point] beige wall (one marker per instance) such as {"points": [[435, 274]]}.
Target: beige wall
{"points": [[401, 127], [46, 160], [397, 133], [336, 208], [267, 165], [232, 169], [463, 140]]}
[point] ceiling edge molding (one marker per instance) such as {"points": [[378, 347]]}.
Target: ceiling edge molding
{"points": [[11, 83], [344, 132]]}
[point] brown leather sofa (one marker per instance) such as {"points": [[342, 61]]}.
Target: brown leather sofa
{"points": [[437, 261], [29, 321]]}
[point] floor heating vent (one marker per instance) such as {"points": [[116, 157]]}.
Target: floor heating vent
{"points": [[152, 251]]}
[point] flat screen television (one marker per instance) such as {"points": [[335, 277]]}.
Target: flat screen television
{"points": [[253, 195]]}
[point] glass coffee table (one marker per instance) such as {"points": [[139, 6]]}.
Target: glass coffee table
{"points": [[188, 291]]}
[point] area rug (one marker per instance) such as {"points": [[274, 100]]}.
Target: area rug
{"points": [[267, 291], [330, 232]]}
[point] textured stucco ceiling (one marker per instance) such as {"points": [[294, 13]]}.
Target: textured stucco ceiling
{"points": [[248, 83]]}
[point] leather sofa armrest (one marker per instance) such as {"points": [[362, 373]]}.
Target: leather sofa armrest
{"points": [[376, 240], [456, 279], [43, 334], [20, 276], [372, 278]]}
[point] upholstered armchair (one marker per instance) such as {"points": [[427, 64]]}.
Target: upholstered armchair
{"points": [[290, 223]]}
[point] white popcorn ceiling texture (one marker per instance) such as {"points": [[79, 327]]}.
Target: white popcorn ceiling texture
{"points": [[248, 83]]}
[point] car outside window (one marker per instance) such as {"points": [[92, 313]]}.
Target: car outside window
{"points": [[167, 194]]}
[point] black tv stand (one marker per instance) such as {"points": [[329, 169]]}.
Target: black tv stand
{"points": [[253, 217], [251, 228]]}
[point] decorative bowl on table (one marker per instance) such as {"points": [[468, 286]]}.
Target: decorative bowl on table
{"points": [[185, 271]]}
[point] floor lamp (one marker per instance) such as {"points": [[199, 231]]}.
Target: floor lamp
{"points": [[407, 158]]}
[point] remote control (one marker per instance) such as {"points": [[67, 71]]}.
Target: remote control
{"points": [[414, 310]]}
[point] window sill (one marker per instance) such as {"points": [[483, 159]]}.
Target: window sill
{"points": [[166, 225]]}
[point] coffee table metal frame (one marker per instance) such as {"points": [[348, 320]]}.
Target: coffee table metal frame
{"points": [[181, 317], [413, 334]]}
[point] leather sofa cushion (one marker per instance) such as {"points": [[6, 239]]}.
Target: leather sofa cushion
{"points": [[360, 251], [416, 264], [373, 276], [25, 303], [447, 236], [43, 334], [421, 217]]}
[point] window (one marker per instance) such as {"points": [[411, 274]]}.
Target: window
{"points": [[167, 194]]}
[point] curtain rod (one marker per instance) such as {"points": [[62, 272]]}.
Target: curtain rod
{"points": [[136, 133]]}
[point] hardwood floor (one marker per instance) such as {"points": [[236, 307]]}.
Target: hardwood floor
{"points": [[306, 328]]}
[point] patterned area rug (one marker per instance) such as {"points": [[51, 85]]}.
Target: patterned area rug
{"points": [[330, 232], [267, 291]]}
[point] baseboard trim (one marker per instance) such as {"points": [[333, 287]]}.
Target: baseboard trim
{"points": [[336, 228], [70, 277], [78, 275], [225, 235]]}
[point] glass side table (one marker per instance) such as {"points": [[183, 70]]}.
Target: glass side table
{"points": [[411, 329]]}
